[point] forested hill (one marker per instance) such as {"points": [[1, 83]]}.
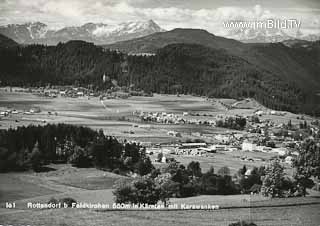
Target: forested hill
{"points": [[6, 42], [299, 64], [183, 68], [62, 64], [196, 69]]}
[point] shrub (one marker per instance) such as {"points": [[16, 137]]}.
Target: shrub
{"points": [[242, 223], [53, 201], [116, 171], [141, 190], [80, 158], [68, 201]]}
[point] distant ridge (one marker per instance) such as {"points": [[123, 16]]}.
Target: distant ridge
{"points": [[7, 42], [299, 65], [98, 33]]}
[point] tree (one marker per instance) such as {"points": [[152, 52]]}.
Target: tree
{"points": [[307, 164], [159, 156], [242, 171], [166, 187], [123, 192], [141, 190], [224, 171], [35, 158], [143, 166], [194, 169], [308, 161], [80, 158], [272, 184]]}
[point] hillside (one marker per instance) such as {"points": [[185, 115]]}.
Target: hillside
{"points": [[196, 69], [7, 42], [150, 43], [183, 68], [62, 64], [288, 63]]}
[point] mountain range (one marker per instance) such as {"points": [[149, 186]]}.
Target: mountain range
{"points": [[268, 35], [98, 33]]}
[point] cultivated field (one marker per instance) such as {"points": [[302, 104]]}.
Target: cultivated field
{"points": [[115, 116], [93, 186]]}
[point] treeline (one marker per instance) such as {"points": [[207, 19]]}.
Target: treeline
{"points": [[73, 62], [237, 123], [177, 68], [175, 180], [34, 146]]}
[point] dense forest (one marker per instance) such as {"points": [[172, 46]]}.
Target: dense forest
{"points": [[75, 61], [35, 146], [176, 68]]}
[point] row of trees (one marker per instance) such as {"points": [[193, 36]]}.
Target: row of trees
{"points": [[34, 146], [237, 123], [175, 180], [179, 181]]}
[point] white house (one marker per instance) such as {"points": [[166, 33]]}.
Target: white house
{"points": [[289, 160], [280, 151], [248, 146]]}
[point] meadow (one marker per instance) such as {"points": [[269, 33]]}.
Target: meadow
{"points": [[92, 185]]}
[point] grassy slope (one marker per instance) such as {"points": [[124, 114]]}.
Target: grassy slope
{"points": [[273, 216]]}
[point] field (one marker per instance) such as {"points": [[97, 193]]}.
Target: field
{"points": [[93, 186], [114, 116]]}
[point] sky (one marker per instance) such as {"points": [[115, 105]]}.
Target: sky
{"points": [[169, 14]]}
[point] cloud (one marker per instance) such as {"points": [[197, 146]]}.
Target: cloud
{"points": [[168, 14]]}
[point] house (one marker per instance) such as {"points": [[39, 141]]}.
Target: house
{"points": [[163, 159], [219, 147], [248, 146], [259, 113], [80, 94], [174, 134], [208, 150], [35, 110], [289, 160], [248, 173], [193, 145], [4, 113], [280, 151]]}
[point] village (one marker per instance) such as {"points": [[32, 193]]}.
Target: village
{"points": [[260, 133]]}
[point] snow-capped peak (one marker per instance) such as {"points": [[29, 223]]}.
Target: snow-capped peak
{"points": [[98, 33]]}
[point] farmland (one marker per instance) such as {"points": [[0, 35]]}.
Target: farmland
{"points": [[115, 117], [93, 186]]}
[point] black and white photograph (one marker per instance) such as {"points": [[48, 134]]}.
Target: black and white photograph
{"points": [[159, 112]]}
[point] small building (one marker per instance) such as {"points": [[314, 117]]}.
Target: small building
{"points": [[248, 146], [280, 151], [193, 145], [80, 94], [35, 110], [259, 113], [219, 148], [174, 134], [289, 160]]}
